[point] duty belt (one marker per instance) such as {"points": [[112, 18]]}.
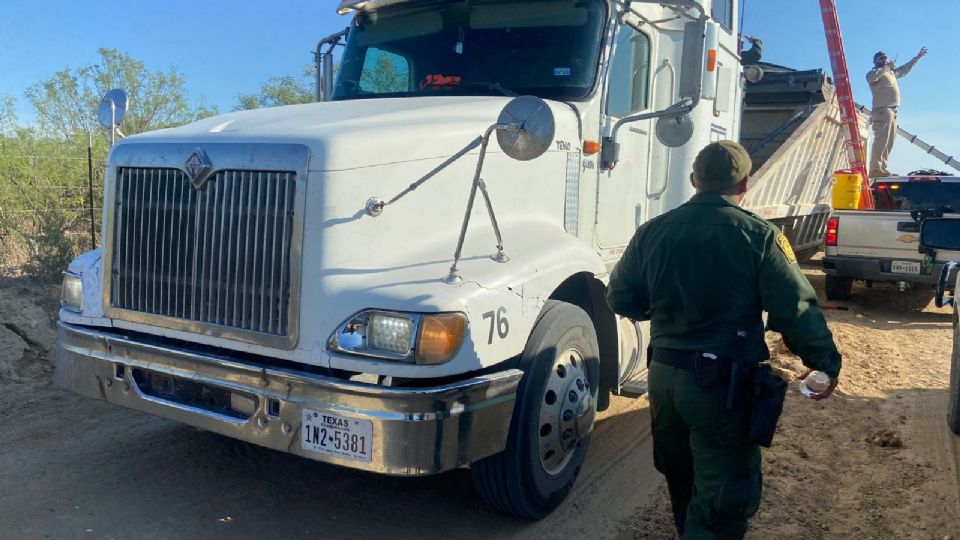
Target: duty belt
{"points": [[677, 358]]}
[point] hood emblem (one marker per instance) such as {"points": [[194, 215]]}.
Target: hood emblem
{"points": [[198, 168]]}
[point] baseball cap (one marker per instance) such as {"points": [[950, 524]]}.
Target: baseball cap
{"points": [[878, 55], [720, 165]]}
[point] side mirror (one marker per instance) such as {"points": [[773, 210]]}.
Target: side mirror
{"points": [[525, 128], [691, 61], [113, 107], [674, 131], [940, 234], [324, 61]]}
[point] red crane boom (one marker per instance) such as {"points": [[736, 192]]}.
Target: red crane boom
{"points": [[848, 108]]}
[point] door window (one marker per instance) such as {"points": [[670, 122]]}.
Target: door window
{"points": [[629, 74], [722, 12]]}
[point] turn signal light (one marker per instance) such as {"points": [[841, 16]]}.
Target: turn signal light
{"points": [[833, 228], [440, 337], [591, 147], [711, 60]]}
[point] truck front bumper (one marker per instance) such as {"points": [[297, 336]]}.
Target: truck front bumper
{"points": [[868, 269], [416, 431]]}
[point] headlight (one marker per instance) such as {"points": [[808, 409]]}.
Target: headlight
{"points": [[71, 295], [404, 337]]}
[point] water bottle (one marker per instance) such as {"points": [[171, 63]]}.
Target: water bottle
{"points": [[815, 383]]}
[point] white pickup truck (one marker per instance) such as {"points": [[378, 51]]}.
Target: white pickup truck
{"points": [[882, 245], [324, 280]]}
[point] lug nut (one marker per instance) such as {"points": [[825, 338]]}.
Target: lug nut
{"points": [[580, 384], [567, 415]]}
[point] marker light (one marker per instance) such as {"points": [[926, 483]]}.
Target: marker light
{"points": [[712, 60], [440, 337]]}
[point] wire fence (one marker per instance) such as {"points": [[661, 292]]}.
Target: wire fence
{"points": [[49, 211]]}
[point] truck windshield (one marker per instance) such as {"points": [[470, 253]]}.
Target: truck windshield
{"points": [[943, 196], [547, 48]]}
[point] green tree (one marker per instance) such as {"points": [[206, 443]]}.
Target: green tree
{"points": [[67, 102], [279, 91]]}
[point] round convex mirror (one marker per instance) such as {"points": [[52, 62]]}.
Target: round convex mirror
{"points": [[531, 128], [112, 108], [674, 131]]}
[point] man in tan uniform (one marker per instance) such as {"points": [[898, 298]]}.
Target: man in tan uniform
{"points": [[886, 98]]}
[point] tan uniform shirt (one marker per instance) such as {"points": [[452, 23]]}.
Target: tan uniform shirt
{"points": [[883, 84]]}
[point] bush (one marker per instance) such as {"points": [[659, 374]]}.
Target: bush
{"points": [[50, 248]]}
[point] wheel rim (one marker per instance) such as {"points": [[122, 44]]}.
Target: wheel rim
{"points": [[567, 412]]}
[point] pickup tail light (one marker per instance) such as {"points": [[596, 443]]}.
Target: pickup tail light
{"points": [[833, 228]]}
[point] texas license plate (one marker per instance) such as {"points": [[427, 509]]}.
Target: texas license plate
{"points": [[905, 267], [337, 436]]}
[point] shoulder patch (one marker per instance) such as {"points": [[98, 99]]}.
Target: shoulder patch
{"points": [[786, 248]]}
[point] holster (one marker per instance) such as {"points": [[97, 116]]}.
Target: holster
{"points": [[769, 392]]}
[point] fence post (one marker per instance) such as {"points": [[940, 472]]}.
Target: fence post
{"points": [[93, 230]]}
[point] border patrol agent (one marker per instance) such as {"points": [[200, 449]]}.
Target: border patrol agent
{"points": [[703, 274]]}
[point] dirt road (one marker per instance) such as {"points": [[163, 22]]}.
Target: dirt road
{"points": [[71, 467]]}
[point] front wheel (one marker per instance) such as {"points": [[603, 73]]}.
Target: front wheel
{"points": [[552, 418]]}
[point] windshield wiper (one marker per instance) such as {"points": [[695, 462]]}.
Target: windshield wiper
{"points": [[490, 86]]}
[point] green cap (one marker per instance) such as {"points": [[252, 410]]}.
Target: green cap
{"points": [[720, 165]]}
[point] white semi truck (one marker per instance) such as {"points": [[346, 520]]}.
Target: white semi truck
{"points": [[307, 278]]}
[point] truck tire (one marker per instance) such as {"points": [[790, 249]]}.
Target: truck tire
{"points": [[839, 288], [552, 418], [953, 399]]}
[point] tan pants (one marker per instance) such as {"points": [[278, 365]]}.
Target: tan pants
{"points": [[884, 121]]}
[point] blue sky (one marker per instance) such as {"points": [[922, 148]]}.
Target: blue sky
{"points": [[225, 48]]}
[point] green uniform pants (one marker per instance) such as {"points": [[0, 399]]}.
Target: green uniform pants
{"points": [[712, 469]]}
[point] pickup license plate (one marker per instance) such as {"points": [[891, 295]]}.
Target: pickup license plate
{"points": [[337, 436], [905, 267]]}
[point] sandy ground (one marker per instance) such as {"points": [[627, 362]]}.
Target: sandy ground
{"points": [[72, 467], [876, 460]]}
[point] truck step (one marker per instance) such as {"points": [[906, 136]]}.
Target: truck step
{"points": [[635, 387]]}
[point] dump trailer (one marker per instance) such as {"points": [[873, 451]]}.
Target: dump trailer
{"points": [[791, 127]]}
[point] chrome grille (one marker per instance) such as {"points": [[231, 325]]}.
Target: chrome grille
{"points": [[220, 255]]}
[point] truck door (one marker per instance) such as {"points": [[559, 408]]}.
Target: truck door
{"points": [[621, 192]]}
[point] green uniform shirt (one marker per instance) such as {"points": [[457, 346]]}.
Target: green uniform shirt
{"points": [[705, 271]]}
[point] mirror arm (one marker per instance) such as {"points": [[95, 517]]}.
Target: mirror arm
{"points": [[453, 277], [324, 62], [610, 152]]}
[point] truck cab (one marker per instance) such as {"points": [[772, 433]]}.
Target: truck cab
{"points": [[324, 280]]}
